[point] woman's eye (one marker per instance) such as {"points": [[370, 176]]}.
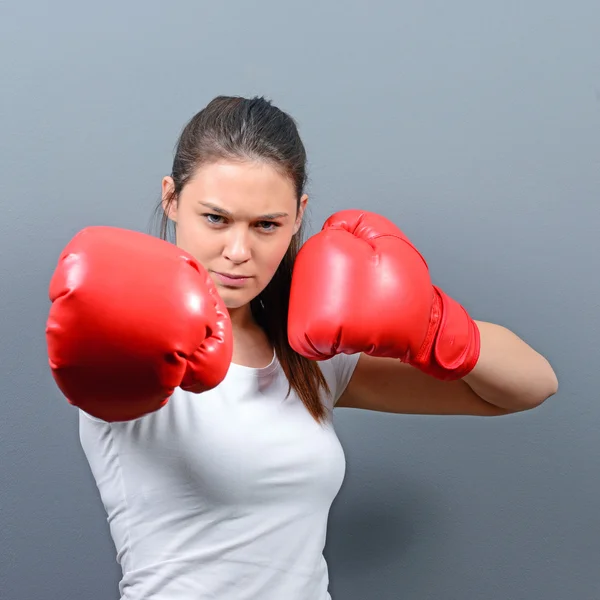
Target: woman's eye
{"points": [[265, 226], [213, 219], [268, 225]]}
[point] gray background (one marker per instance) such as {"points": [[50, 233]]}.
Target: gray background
{"points": [[474, 125]]}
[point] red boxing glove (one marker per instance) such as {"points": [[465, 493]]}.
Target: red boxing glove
{"points": [[133, 317], [359, 285]]}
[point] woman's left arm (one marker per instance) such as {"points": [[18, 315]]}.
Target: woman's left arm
{"points": [[509, 373], [509, 377]]}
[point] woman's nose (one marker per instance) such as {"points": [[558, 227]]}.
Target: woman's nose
{"points": [[237, 248]]}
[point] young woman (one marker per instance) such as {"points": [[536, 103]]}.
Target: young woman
{"points": [[207, 370]]}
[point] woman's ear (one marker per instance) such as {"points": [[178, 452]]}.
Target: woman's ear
{"points": [[169, 202], [300, 215]]}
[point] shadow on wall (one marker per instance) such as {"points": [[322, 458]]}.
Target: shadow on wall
{"points": [[381, 527]]}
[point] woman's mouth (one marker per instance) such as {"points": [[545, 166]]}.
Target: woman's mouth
{"points": [[231, 280]]}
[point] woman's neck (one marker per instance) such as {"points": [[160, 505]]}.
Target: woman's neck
{"points": [[241, 317], [251, 346]]}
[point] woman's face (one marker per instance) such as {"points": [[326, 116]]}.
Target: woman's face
{"points": [[237, 219]]}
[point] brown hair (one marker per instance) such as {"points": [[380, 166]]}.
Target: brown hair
{"points": [[234, 128]]}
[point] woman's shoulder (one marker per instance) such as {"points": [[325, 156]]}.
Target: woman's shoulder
{"points": [[338, 371]]}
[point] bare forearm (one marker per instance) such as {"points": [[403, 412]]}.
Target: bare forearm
{"points": [[509, 373]]}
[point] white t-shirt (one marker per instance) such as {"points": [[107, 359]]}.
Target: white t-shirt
{"points": [[223, 495]]}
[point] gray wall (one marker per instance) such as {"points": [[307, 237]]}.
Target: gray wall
{"points": [[474, 125]]}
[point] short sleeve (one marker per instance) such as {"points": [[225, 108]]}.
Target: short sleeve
{"points": [[91, 417], [338, 371]]}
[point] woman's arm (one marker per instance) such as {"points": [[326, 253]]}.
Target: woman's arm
{"points": [[509, 377]]}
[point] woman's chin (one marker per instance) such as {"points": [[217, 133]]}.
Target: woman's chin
{"points": [[235, 299]]}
